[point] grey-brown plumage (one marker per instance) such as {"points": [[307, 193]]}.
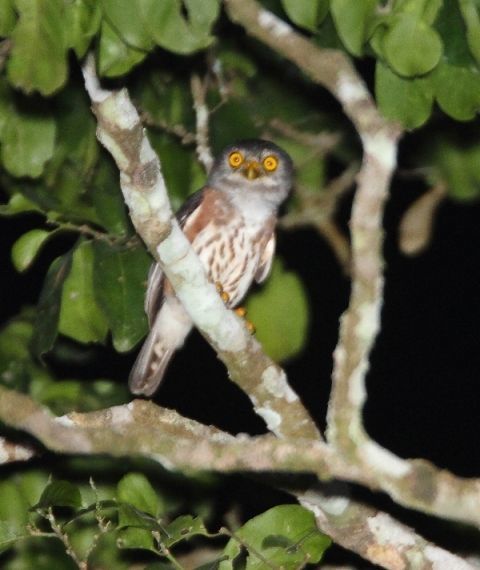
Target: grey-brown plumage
{"points": [[231, 225]]}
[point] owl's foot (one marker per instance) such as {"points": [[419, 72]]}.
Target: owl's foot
{"points": [[223, 294], [241, 312]]}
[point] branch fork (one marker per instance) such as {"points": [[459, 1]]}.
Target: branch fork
{"points": [[177, 442]]}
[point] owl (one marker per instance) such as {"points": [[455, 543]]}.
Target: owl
{"points": [[230, 223]]}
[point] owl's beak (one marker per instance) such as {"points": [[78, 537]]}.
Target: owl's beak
{"points": [[252, 170]]}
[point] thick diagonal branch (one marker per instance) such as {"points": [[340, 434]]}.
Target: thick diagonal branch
{"points": [[121, 132], [414, 483], [376, 536]]}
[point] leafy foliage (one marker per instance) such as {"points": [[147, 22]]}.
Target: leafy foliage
{"points": [[135, 518], [280, 313], [285, 536], [75, 235]]}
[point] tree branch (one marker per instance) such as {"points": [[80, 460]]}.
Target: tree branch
{"points": [[317, 209], [199, 93], [376, 536], [361, 322], [414, 483], [142, 428], [10, 452], [143, 187]]}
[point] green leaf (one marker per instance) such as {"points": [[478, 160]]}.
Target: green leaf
{"points": [[451, 28], [26, 248], [308, 14], [38, 60], [60, 494], [457, 90], [472, 22], [9, 535], [108, 200], [352, 20], [14, 339], [312, 174], [411, 46], [80, 316], [460, 170], [49, 303], [7, 17], [279, 311], [171, 30], [135, 538], [201, 21], [119, 277], [233, 121], [286, 536], [129, 516], [135, 489], [61, 396], [76, 142], [179, 167], [18, 204], [430, 10], [35, 554], [67, 186], [27, 142], [13, 506], [183, 528], [125, 17], [31, 485], [82, 20], [139, 513], [408, 100], [6, 103], [115, 57], [173, 91]]}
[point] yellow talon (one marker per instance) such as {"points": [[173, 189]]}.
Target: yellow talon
{"points": [[223, 294], [225, 297], [241, 311], [250, 327]]}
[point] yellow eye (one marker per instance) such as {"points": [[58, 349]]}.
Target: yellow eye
{"points": [[270, 163], [235, 159]]}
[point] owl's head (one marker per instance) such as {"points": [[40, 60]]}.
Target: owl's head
{"points": [[256, 166]]}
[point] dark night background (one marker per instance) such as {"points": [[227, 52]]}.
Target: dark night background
{"points": [[423, 393], [423, 384]]}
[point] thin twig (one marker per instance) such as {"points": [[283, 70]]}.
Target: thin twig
{"points": [[178, 131], [318, 209], [63, 537], [199, 92]]}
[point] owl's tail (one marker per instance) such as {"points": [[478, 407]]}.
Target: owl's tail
{"points": [[167, 335]]}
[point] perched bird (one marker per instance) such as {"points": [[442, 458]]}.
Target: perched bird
{"points": [[230, 223]]}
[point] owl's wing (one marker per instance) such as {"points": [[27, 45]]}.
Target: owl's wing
{"points": [[266, 259], [154, 294]]}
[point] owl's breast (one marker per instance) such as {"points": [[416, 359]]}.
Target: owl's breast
{"points": [[231, 254]]}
